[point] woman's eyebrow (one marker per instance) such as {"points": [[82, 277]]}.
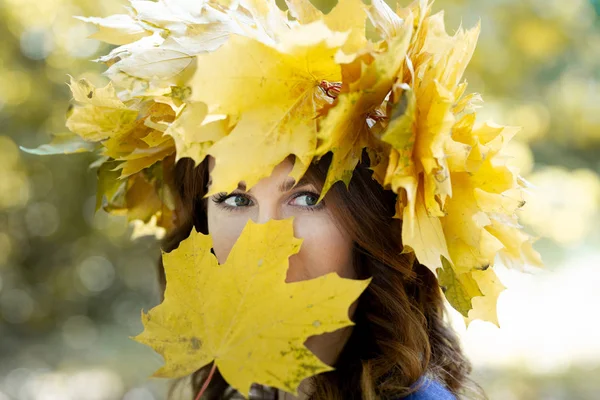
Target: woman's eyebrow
{"points": [[283, 187], [288, 184]]}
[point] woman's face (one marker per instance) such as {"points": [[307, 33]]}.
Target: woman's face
{"points": [[324, 249]]}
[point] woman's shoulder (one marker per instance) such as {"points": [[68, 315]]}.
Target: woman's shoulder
{"points": [[430, 390]]}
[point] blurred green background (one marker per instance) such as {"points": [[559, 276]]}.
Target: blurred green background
{"points": [[72, 284]]}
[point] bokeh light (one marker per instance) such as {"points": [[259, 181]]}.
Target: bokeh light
{"points": [[14, 185], [562, 203], [96, 273]]}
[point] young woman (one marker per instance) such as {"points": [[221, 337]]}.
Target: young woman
{"points": [[401, 346]]}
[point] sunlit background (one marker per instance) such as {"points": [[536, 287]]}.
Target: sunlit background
{"points": [[72, 284]]}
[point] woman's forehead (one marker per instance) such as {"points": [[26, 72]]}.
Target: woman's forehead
{"points": [[278, 177]]}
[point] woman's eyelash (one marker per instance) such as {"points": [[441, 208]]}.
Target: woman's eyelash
{"points": [[220, 198]]}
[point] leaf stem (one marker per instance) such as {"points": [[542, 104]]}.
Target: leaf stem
{"points": [[207, 381]]}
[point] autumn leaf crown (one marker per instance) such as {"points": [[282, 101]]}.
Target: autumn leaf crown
{"points": [[251, 84]]}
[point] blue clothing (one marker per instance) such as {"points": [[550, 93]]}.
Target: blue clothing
{"points": [[430, 390]]}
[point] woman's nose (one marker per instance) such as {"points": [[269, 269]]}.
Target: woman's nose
{"points": [[267, 212]]}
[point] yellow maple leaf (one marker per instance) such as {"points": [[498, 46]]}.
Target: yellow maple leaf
{"points": [[459, 289], [474, 293], [400, 135], [194, 133], [143, 196], [437, 62], [110, 187], [142, 145], [424, 234], [485, 307], [127, 133], [349, 16], [344, 130], [346, 16], [304, 11], [385, 20], [101, 114], [241, 314], [269, 20], [274, 97]]}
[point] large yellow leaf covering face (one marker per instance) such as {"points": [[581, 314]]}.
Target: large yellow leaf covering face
{"points": [[242, 314]]}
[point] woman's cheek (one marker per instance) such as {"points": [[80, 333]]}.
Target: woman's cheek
{"points": [[324, 250], [225, 230]]}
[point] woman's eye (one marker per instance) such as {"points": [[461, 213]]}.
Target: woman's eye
{"points": [[237, 201], [307, 200]]}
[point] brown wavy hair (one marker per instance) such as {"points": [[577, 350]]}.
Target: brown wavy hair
{"points": [[400, 333]]}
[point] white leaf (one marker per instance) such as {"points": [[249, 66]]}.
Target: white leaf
{"points": [[116, 29]]}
